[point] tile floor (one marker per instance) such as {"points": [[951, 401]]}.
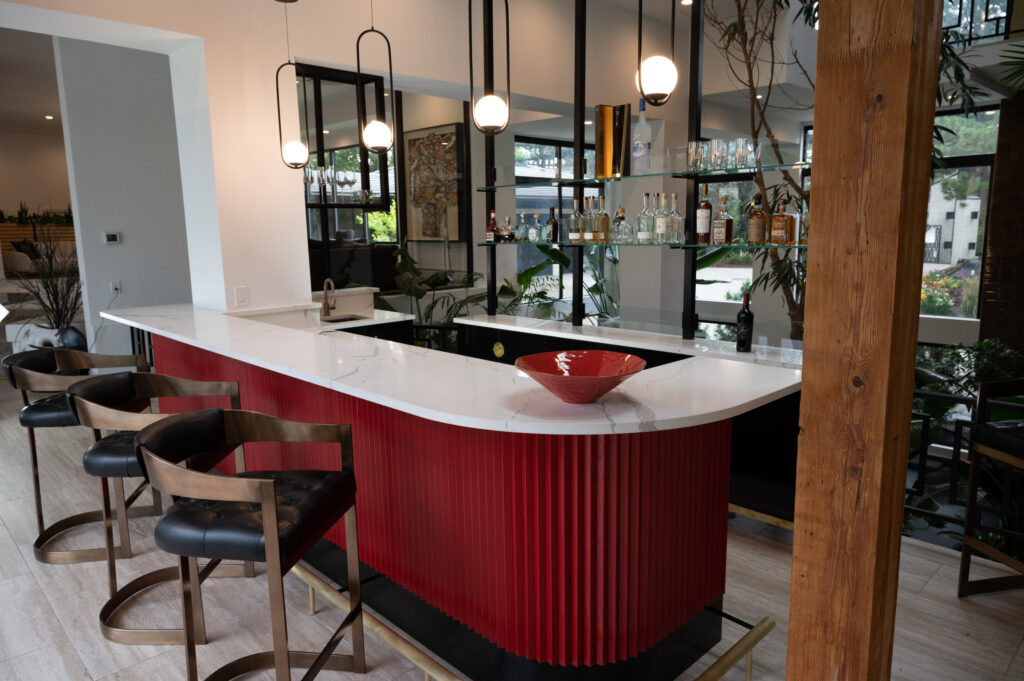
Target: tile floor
{"points": [[48, 629]]}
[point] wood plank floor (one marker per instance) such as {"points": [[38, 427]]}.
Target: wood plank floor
{"points": [[48, 629]]}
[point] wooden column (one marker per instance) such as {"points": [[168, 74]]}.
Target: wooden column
{"points": [[873, 117], [1002, 279]]}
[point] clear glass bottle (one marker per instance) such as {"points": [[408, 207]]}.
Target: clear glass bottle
{"points": [[675, 222], [533, 234], [588, 220], [507, 233], [522, 230], [602, 224], [661, 220], [575, 233], [645, 222], [622, 231], [641, 157]]}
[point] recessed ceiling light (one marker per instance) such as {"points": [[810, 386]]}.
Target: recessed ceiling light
{"points": [[686, 2], [48, 117], [760, 96], [387, 94], [588, 122], [327, 132]]}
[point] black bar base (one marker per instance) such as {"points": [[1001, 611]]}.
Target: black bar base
{"points": [[480, 660]]}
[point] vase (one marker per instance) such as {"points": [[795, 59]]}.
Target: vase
{"points": [[71, 338]]}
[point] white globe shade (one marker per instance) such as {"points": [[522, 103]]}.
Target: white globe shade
{"points": [[377, 136], [295, 154], [491, 113], [659, 76]]}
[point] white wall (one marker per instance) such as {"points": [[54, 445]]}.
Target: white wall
{"points": [[33, 170], [121, 142]]}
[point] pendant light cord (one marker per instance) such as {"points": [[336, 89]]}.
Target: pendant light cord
{"points": [[287, 34], [371, 13]]}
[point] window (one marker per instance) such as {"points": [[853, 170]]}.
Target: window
{"points": [[974, 215], [950, 215], [971, 245], [539, 159], [350, 202]]}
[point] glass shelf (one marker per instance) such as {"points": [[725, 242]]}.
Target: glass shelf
{"points": [[633, 245], [595, 181]]}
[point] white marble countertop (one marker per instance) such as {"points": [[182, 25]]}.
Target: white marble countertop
{"points": [[760, 354], [471, 392]]}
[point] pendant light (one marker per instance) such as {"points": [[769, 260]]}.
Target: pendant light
{"points": [[491, 112], [295, 152], [377, 136], [656, 76]]}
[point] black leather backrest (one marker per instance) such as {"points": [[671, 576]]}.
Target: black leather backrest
{"points": [[116, 391], [182, 437], [42, 360]]}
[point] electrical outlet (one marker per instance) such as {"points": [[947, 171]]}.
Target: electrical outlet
{"points": [[115, 287], [241, 296]]}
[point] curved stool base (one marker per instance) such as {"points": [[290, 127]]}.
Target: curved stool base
{"points": [[155, 637], [139, 636], [259, 661], [47, 555]]}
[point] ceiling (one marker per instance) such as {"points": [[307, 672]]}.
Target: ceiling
{"points": [[28, 83]]}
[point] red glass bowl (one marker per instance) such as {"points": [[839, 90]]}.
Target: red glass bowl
{"points": [[580, 376]]}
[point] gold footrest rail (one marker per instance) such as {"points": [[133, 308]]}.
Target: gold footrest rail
{"points": [[742, 648], [399, 643]]}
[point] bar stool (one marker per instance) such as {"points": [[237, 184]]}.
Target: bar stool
{"points": [[999, 446], [54, 370], [267, 516], [117, 403]]}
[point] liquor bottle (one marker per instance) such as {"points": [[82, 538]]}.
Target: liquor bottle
{"points": [[622, 231], [576, 224], [783, 230], [704, 217], [589, 218], [675, 222], [642, 143], [661, 219], [521, 229], [507, 233], [756, 223], [490, 236], [601, 224], [721, 226], [645, 223], [745, 326], [551, 227], [534, 235]]}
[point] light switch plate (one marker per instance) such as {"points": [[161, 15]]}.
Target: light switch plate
{"points": [[241, 296], [111, 238]]}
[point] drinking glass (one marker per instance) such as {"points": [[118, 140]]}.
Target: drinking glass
{"points": [[719, 155]]}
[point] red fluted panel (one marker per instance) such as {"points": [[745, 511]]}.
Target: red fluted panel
{"points": [[571, 550]]}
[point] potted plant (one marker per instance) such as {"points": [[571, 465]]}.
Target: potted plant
{"points": [[54, 288]]}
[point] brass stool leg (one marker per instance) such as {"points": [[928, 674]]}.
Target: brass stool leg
{"points": [[187, 616], [278, 616], [122, 517], [35, 480], [312, 600], [108, 535], [355, 590]]}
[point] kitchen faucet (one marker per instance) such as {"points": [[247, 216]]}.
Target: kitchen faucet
{"points": [[327, 305]]}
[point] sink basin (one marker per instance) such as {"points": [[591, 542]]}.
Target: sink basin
{"points": [[334, 319], [307, 318], [580, 376]]}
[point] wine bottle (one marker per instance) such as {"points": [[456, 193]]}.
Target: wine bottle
{"points": [[601, 227], [675, 222], [551, 227], [588, 220], [745, 326], [661, 219], [704, 217]]}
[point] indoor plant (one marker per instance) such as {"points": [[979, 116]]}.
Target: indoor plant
{"points": [[54, 287]]}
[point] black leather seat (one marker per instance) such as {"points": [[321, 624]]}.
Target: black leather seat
{"points": [[51, 411], [307, 506], [1006, 436], [238, 516], [113, 456]]}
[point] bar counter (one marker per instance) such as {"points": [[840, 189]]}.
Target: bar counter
{"points": [[580, 541]]}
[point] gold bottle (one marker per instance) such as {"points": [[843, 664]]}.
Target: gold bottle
{"points": [[783, 231]]}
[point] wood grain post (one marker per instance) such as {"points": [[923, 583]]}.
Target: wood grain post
{"points": [[1002, 279], [874, 111]]}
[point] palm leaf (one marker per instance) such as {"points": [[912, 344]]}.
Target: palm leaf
{"points": [[1013, 61]]}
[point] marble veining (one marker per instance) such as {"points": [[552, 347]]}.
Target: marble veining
{"points": [[470, 392]]}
